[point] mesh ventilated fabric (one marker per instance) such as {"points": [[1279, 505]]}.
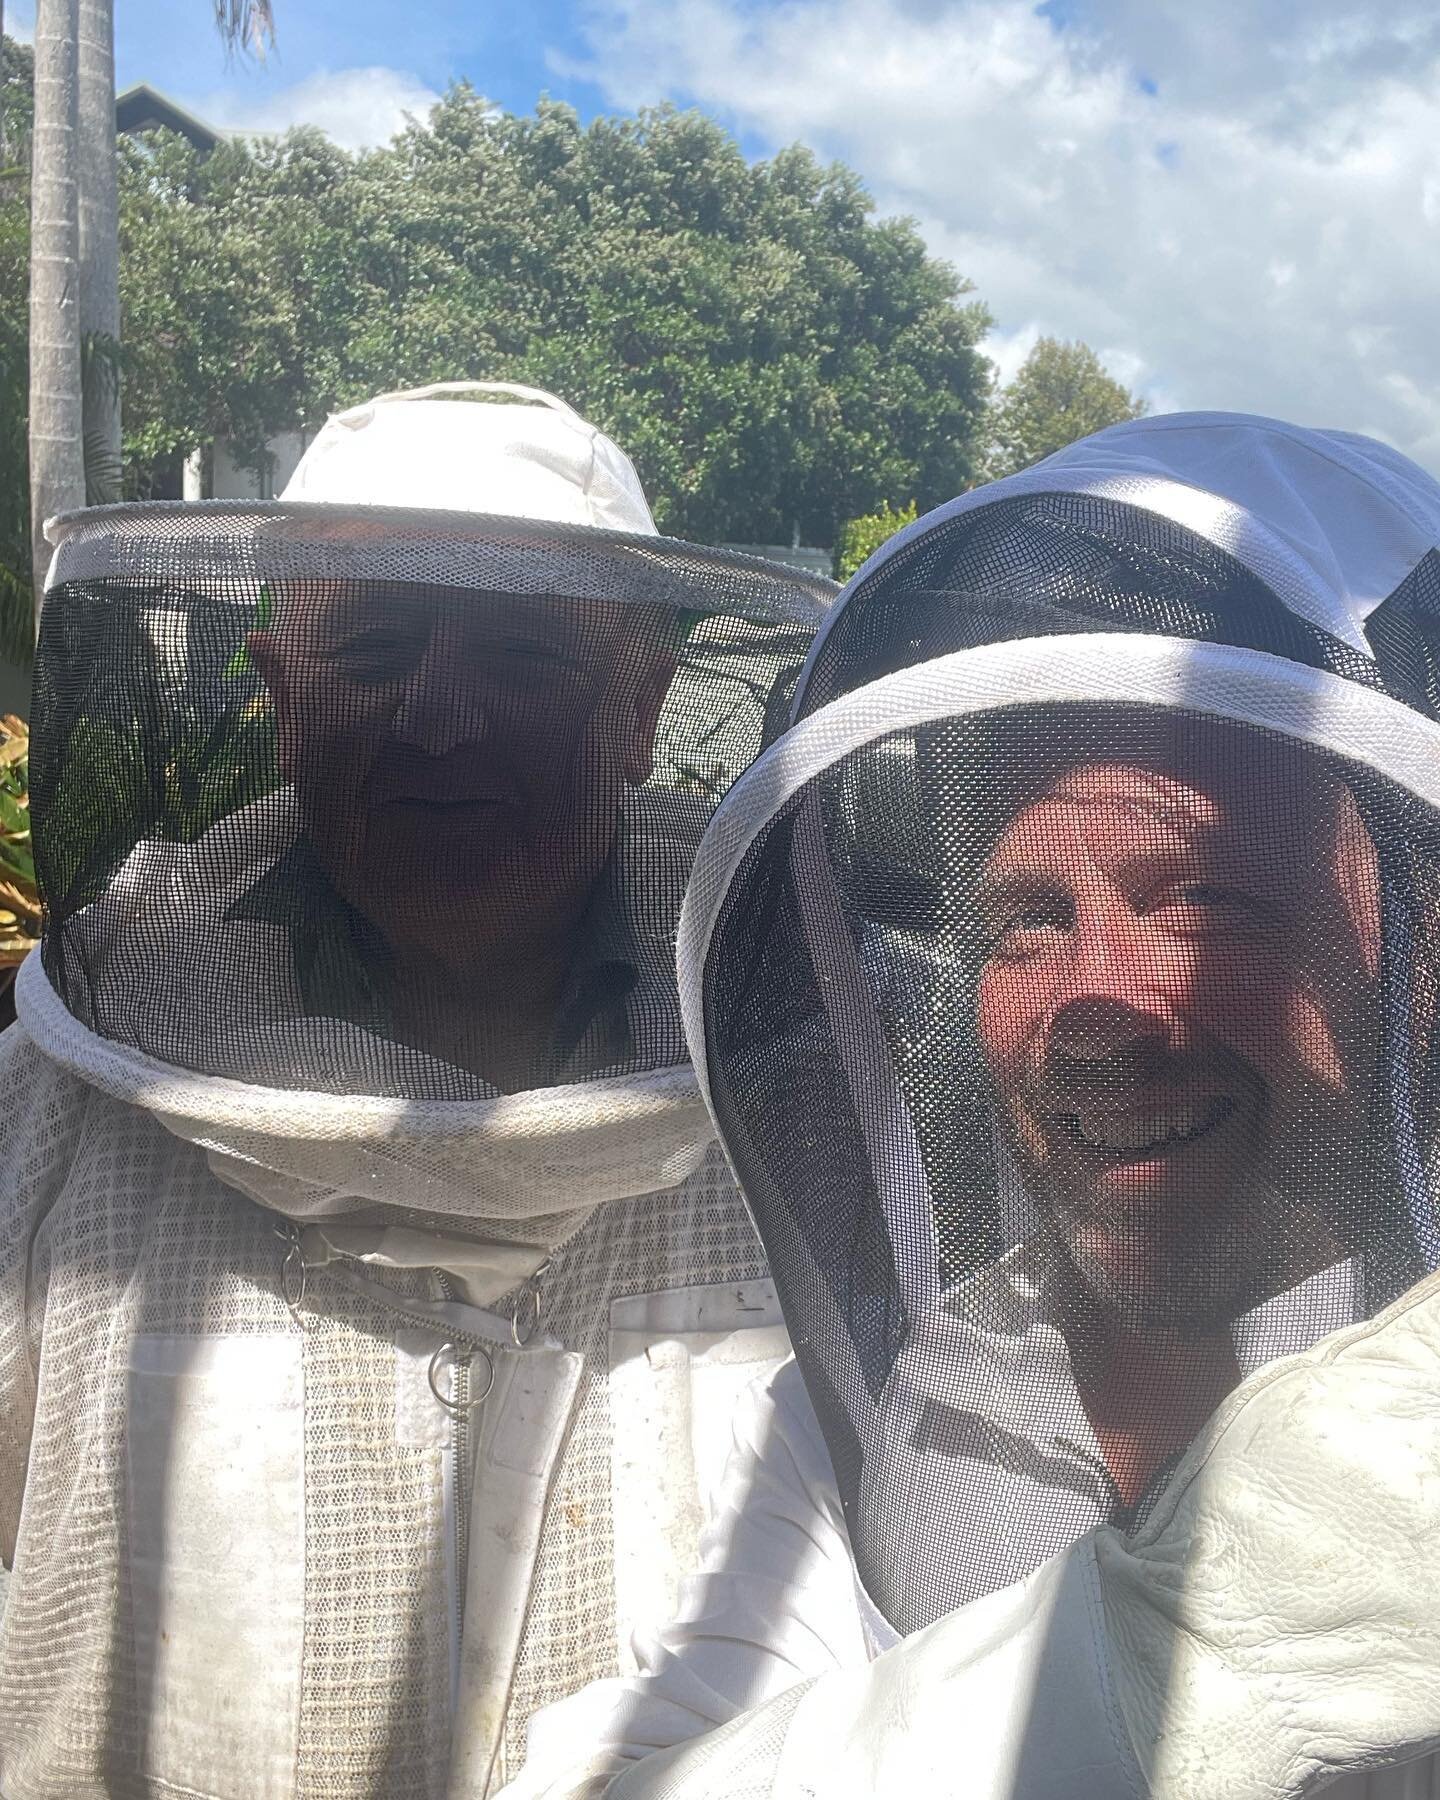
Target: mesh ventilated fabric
{"points": [[327, 801], [121, 1230], [1109, 1028], [702, 1233]]}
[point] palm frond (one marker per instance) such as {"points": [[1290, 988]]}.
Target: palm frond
{"points": [[247, 26], [104, 469], [102, 363]]}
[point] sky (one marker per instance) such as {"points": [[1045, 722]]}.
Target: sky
{"points": [[1236, 203]]}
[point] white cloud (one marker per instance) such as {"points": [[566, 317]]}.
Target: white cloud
{"points": [[356, 107], [1256, 233], [1008, 349]]}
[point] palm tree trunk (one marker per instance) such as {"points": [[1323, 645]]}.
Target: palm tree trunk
{"points": [[57, 466], [99, 246]]}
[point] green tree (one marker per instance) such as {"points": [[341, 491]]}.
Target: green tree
{"points": [[1062, 392], [17, 103], [861, 538], [242, 284], [771, 355]]}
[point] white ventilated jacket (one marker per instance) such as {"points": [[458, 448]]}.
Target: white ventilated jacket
{"points": [[1294, 1657], [776, 1601], [251, 1553]]}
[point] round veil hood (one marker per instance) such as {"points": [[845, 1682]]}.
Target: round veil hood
{"points": [[1221, 527], [363, 829], [1062, 983]]}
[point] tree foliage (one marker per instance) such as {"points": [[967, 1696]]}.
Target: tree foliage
{"points": [[1062, 392], [774, 356], [246, 26], [19, 894], [860, 538], [769, 352], [16, 611], [17, 98]]}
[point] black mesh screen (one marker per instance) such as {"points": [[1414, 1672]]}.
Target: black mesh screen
{"points": [[1404, 632], [382, 836], [1041, 564], [1075, 1061]]}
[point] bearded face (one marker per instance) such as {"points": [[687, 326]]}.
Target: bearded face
{"points": [[1179, 1010]]}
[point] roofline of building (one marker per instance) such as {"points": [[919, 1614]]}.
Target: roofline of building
{"points": [[146, 106]]}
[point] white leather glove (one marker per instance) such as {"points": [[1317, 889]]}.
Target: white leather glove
{"points": [[1275, 1622], [1278, 1616]]}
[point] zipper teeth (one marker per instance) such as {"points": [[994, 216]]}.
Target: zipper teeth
{"points": [[460, 1439], [459, 1467], [1124, 1517], [455, 1334], [1097, 1467], [459, 1423]]}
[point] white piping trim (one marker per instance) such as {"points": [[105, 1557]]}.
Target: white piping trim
{"points": [[1247, 687], [162, 1087], [886, 1123]]}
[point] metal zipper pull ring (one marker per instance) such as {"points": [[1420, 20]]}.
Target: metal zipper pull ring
{"points": [[294, 1271], [459, 1410], [294, 1279], [525, 1321]]}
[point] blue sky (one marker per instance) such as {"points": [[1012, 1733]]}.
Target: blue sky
{"points": [[1237, 204], [500, 49]]}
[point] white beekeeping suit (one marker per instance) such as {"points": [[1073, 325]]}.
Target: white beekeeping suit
{"points": [[373, 1301], [1063, 987]]}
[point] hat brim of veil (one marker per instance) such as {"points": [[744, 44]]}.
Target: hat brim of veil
{"points": [[285, 539]]}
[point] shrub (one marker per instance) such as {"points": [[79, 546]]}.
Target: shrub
{"points": [[860, 538]]}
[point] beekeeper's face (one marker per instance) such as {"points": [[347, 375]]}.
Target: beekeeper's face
{"points": [[460, 758], [1179, 1010]]}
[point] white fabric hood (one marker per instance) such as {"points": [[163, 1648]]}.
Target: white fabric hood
{"points": [[1331, 521], [957, 844], [487, 1188], [523, 1169]]}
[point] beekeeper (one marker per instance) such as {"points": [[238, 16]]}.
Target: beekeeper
{"points": [[1063, 988], [336, 1432]]}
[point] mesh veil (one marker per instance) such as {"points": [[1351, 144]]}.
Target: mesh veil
{"points": [[1042, 563], [316, 797], [1068, 988]]}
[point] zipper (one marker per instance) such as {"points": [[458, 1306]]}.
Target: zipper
{"points": [[1123, 1517], [1115, 1508], [473, 1712], [461, 1454], [294, 1277], [462, 1400]]}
